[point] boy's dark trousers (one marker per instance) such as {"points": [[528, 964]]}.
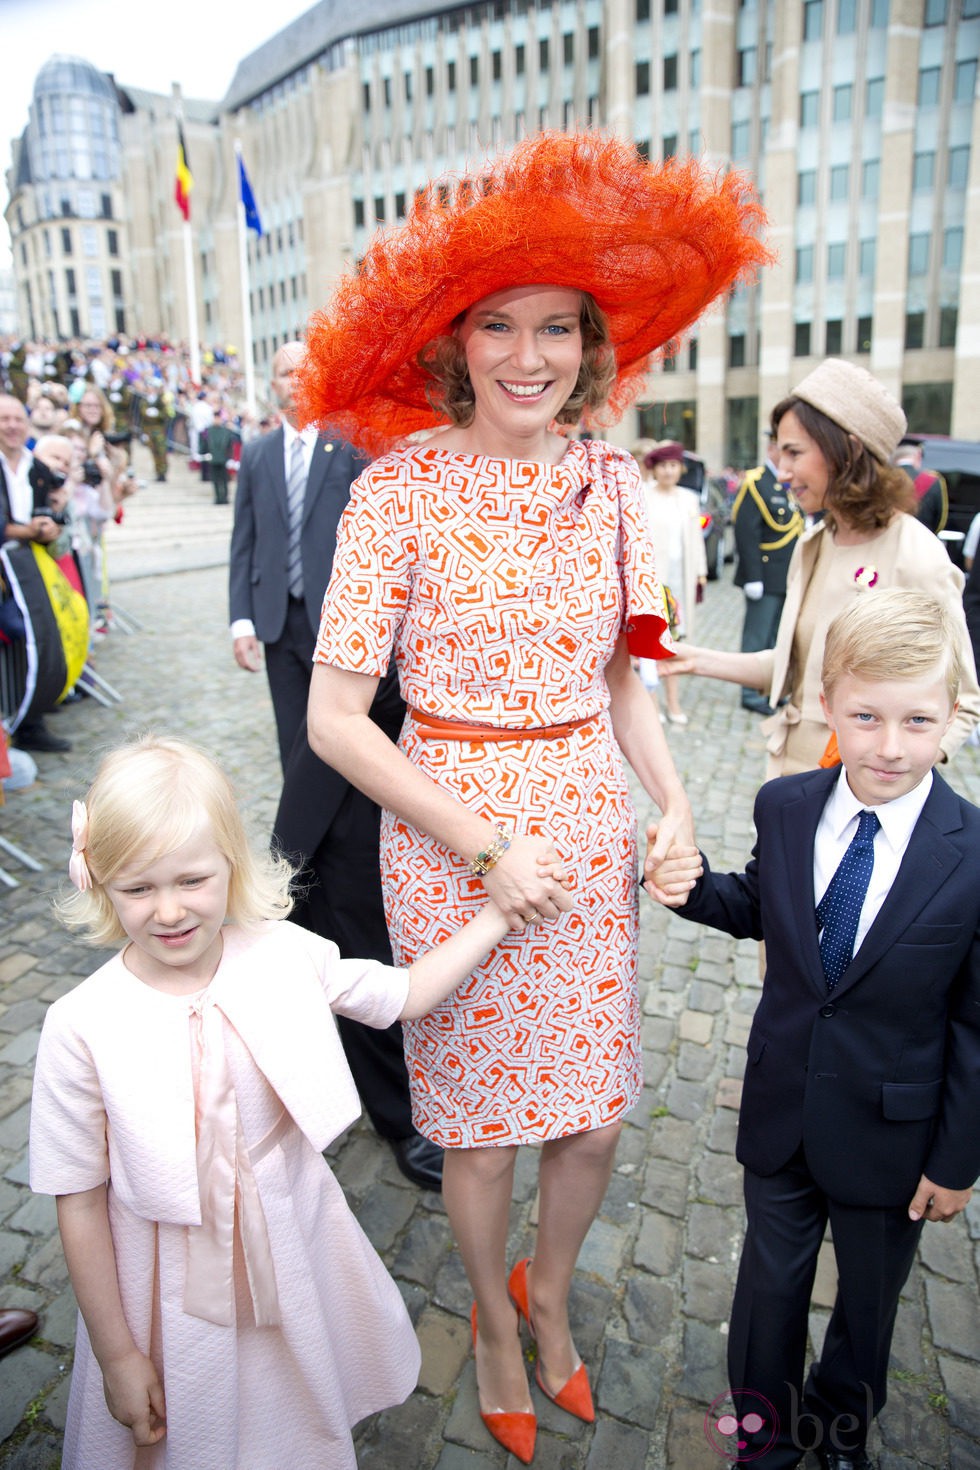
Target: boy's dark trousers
{"points": [[787, 1214], [880, 1084]]}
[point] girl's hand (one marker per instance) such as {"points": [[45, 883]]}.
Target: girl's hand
{"points": [[522, 886], [671, 881], [134, 1396], [558, 872]]}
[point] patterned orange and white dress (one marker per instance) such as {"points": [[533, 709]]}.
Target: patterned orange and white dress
{"points": [[502, 587]]}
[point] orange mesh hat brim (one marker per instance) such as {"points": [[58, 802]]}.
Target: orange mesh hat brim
{"points": [[654, 244]]}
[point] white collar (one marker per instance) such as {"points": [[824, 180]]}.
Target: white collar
{"points": [[307, 435], [897, 818]]}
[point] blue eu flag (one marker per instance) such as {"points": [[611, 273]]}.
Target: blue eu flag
{"points": [[252, 219]]}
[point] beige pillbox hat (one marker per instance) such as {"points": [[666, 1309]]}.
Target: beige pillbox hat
{"points": [[857, 403]]}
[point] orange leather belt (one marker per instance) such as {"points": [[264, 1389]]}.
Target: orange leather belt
{"points": [[432, 728]]}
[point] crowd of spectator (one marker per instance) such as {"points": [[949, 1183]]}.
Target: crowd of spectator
{"points": [[69, 416]]}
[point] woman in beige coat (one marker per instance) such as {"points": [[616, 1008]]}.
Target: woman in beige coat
{"points": [[833, 438]]}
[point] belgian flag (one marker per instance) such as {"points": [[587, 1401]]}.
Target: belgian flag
{"points": [[184, 182]]}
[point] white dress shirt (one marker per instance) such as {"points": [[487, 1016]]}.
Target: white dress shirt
{"points": [[837, 828], [20, 492], [244, 627]]}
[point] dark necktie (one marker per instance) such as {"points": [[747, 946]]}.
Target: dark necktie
{"points": [[839, 910], [295, 495]]}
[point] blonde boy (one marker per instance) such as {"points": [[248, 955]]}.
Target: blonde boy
{"points": [[862, 1088]]}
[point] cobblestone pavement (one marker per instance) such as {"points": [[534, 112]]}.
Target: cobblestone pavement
{"points": [[655, 1278]]}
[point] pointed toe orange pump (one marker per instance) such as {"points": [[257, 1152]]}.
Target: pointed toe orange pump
{"points": [[516, 1431], [575, 1396]]}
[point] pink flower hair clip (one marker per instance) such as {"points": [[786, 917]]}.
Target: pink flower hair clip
{"points": [[78, 869]]}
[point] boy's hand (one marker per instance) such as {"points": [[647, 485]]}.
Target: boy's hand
{"points": [[670, 881], [134, 1396], [932, 1202]]}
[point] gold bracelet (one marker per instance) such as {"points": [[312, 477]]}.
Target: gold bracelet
{"points": [[488, 859]]}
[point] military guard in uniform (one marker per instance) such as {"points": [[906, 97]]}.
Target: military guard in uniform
{"points": [[931, 494], [17, 371], [156, 413], [767, 524], [120, 397], [221, 439]]}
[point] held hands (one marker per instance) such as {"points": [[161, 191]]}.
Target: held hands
{"points": [[134, 1396], [669, 873], [932, 1202], [529, 883]]}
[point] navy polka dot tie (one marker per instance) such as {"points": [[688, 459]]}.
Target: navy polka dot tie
{"points": [[839, 910]]}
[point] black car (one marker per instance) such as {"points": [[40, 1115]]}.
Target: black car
{"points": [[958, 461]]}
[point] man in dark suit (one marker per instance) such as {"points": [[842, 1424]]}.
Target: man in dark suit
{"points": [[767, 525], [862, 1090], [280, 566], [281, 556]]}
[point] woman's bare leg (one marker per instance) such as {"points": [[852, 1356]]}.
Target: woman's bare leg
{"points": [[477, 1185], [574, 1176]]}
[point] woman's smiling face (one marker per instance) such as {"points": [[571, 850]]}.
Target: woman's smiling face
{"points": [[801, 464], [523, 351]]}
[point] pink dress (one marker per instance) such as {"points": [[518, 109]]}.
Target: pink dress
{"points": [[120, 1067], [503, 587]]}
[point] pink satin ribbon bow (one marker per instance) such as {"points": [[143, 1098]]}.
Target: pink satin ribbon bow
{"points": [[78, 869], [228, 1188]]}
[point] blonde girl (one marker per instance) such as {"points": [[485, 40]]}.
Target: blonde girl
{"points": [[232, 1313]]}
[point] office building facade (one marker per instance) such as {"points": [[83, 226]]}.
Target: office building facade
{"points": [[857, 119]]}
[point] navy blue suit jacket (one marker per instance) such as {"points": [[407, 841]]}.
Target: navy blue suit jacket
{"points": [[258, 585], [880, 1080]]}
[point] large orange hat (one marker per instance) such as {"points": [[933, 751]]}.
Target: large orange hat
{"points": [[653, 244]]}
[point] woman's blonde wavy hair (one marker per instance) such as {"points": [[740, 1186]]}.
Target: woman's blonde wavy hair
{"points": [[149, 797]]}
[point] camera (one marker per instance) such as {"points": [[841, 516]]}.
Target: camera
{"points": [[59, 517], [91, 474]]}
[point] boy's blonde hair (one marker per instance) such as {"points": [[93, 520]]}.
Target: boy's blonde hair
{"points": [[893, 634], [148, 798]]}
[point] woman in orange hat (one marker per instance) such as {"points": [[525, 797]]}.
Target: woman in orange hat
{"points": [[510, 571]]}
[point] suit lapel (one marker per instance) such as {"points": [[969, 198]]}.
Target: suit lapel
{"points": [[320, 466], [799, 829], [929, 859], [275, 467]]}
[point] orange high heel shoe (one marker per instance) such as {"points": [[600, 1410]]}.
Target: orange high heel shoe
{"points": [[575, 1397], [516, 1431]]}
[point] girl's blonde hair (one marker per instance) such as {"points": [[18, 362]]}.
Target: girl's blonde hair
{"points": [[148, 798]]}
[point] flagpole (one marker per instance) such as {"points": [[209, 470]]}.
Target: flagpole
{"points": [[195, 347], [190, 283], [247, 341]]}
